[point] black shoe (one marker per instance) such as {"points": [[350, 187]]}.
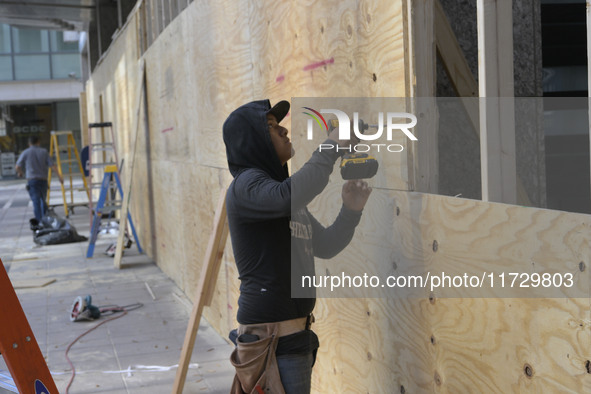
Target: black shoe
{"points": [[34, 224]]}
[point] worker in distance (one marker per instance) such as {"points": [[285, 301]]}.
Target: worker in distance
{"points": [[275, 239]]}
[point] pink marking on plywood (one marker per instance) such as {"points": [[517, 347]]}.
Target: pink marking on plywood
{"points": [[319, 64], [280, 78], [168, 129]]}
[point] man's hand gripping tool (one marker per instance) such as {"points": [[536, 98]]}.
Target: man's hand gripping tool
{"points": [[356, 165]]}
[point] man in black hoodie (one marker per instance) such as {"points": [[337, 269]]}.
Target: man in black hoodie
{"points": [[274, 237]]}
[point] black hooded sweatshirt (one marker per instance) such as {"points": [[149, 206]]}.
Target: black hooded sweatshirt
{"points": [[270, 226]]}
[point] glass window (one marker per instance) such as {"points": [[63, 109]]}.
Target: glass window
{"points": [[30, 40], [61, 42], [65, 65], [5, 68], [31, 66], [4, 38]]}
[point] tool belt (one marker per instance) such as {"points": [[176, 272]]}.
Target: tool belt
{"points": [[254, 358]]}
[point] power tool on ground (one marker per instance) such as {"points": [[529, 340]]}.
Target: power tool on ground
{"points": [[82, 309], [356, 165]]}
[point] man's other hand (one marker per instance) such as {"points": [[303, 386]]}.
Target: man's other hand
{"points": [[355, 194]]}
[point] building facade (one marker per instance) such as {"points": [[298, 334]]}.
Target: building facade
{"points": [[40, 84]]}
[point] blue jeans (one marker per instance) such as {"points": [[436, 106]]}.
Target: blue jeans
{"points": [[296, 372], [38, 192]]}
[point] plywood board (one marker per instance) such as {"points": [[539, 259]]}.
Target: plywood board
{"points": [[346, 49], [457, 344]]}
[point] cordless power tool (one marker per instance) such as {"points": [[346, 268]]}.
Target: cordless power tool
{"points": [[356, 165]]}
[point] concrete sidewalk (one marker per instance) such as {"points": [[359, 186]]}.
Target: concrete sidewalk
{"points": [[136, 353]]}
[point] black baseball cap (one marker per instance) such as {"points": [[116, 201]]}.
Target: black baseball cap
{"points": [[279, 110]]}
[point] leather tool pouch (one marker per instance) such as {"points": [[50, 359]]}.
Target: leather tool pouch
{"points": [[255, 363]]}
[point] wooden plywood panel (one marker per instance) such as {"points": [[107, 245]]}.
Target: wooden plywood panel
{"points": [[220, 55], [167, 97], [489, 343], [343, 48], [169, 240], [367, 343], [504, 238], [122, 108], [465, 344], [200, 188], [372, 345]]}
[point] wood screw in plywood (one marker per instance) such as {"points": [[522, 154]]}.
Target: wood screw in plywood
{"points": [[588, 366], [432, 339], [528, 370], [581, 266], [402, 390], [435, 246], [432, 298]]}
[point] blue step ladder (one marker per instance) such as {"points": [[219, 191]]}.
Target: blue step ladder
{"points": [[104, 206]]}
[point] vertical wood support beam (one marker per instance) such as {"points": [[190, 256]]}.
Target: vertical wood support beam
{"points": [[422, 89], [497, 116], [83, 119]]}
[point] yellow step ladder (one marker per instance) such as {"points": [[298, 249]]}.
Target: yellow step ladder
{"points": [[55, 151]]}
